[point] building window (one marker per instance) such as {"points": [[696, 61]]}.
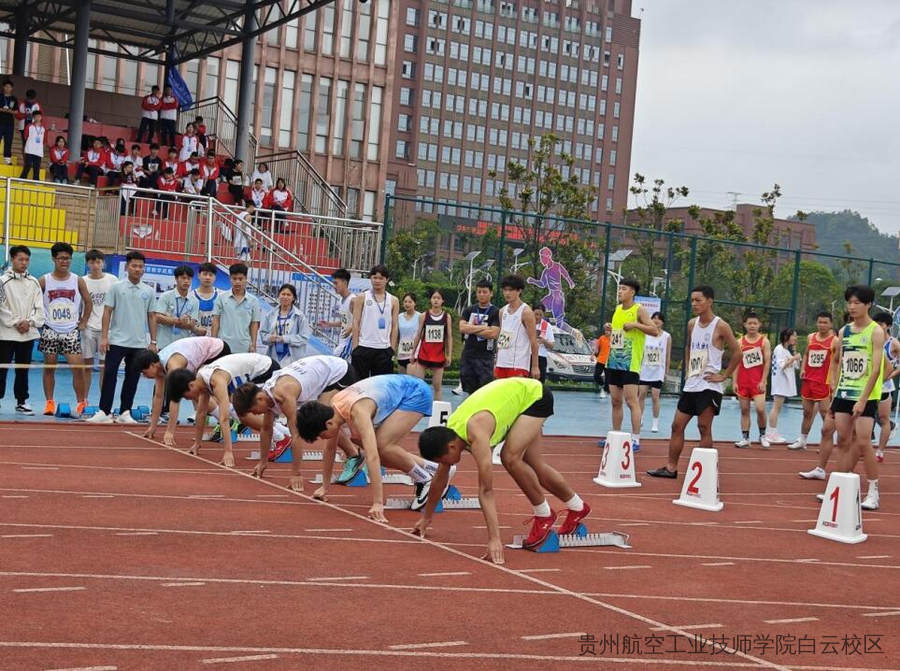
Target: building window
{"points": [[286, 117], [327, 47], [323, 116], [270, 80], [304, 105], [620, 61], [357, 120], [211, 79], [309, 31], [618, 85], [232, 72], [340, 117], [612, 157], [615, 133], [402, 150], [362, 34], [611, 181], [409, 44], [368, 213], [290, 33], [412, 16], [374, 122], [616, 109], [347, 18], [408, 70], [406, 96], [381, 31]]}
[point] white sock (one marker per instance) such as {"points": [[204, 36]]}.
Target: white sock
{"points": [[542, 510], [430, 466], [575, 503], [635, 438], [214, 412], [803, 438], [873, 486], [419, 474], [279, 432]]}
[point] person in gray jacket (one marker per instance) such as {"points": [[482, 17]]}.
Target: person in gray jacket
{"points": [[21, 315], [285, 331]]}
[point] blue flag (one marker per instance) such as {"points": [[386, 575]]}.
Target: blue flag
{"points": [[180, 89]]}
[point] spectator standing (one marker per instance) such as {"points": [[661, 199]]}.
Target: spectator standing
{"points": [[236, 313], [26, 111], [98, 284], [479, 325], [34, 147], [59, 161], [235, 178], [150, 107], [375, 333], [21, 315], [201, 133], [177, 311], [285, 330], [8, 108], [168, 111]]}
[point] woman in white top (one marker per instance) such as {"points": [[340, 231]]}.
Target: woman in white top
{"points": [[189, 143], [655, 365], [784, 380], [285, 330], [407, 326], [262, 172]]}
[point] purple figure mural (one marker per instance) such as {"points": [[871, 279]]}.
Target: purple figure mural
{"points": [[551, 280]]}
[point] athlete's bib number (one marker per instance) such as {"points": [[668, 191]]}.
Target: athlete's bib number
{"points": [[206, 319], [617, 339], [753, 357], [406, 347], [434, 333], [853, 365], [816, 358], [697, 362], [653, 357], [346, 320], [61, 312], [504, 340]]}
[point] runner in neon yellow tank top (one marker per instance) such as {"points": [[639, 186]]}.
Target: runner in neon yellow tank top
{"points": [[858, 369], [514, 410], [630, 325]]}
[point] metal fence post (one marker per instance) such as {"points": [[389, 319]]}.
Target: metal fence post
{"points": [[871, 271], [500, 250], [605, 274], [6, 223], [795, 289], [385, 230], [209, 229], [692, 274], [669, 263]]}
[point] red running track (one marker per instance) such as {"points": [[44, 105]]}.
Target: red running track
{"points": [[118, 553]]}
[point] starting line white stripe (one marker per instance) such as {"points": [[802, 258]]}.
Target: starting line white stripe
{"points": [[27, 536], [874, 556], [413, 646], [891, 612], [792, 620], [448, 573], [538, 570], [182, 584], [137, 533], [40, 468], [339, 578], [626, 568], [328, 530], [14, 496], [543, 637], [749, 522], [231, 660], [49, 589], [97, 496], [690, 626], [88, 668], [717, 563]]}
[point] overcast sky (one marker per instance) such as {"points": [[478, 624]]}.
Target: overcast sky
{"points": [[735, 95]]}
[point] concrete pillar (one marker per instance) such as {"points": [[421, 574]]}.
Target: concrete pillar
{"points": [[245, 86], [79, 77], [21, 41]]}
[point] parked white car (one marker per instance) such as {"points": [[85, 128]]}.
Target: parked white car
{"points": [[571, 357]]}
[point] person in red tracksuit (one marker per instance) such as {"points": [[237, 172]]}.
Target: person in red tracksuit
{"points": [[93, 162], [210, 173], [59, 161], [184, 169], [172, 162], [279, 199], [169, 183], [150, 107], [168, 111], [201, 132]]}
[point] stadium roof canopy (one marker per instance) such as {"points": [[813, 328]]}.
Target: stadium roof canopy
{"points": [[145, 30]]}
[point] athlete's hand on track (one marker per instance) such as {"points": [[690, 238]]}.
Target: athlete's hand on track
{"points": [[169, 439], [319, 494], [194, 448], [258, 470], [494, 551], [421, 527], [376, 512], [296, 483], [149, 431], [228, 460]]}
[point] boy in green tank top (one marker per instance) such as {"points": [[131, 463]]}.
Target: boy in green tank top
{"points": [[630, 325], [511, 410], [857, 365]]}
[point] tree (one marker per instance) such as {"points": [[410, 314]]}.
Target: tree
{"points": [[410, 245], [817, 290]]}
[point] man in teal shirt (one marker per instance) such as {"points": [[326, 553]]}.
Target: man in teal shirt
{"points": [[177, 311], [127, 315], [236, 313]]}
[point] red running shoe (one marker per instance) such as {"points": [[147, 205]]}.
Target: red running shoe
{"points": [[540, 529], [573, 517], [278, 448]]}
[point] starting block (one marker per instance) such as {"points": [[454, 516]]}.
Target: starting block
{"points": [[361, 479], [701, 482], [579, 539], [141, 413], [90, 410], [840, 517], [246, 435], [318, 455], [452, 500], [617, 462], [64, 410]]}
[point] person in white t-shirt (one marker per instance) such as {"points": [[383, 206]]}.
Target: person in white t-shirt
{"points": [[343, 313], [98, 283], [545, 339], [785, 361]]}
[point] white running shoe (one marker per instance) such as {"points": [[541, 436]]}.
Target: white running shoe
{"points": [[495, 457], [765, 441], [742, 443], [776, 438], [818, 473], [457, 390], [820, 497], [100, 417], [602, 394], [871, 502], [879, 454], [25, 409], [655, 428], [126, 418], [798, 444]]}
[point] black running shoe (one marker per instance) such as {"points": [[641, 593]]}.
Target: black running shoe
{"points": [[663, 472]]}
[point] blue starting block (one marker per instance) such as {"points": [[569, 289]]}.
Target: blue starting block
{"points": [[285, 457], [579, 538], [64, 410], [90, 410]]}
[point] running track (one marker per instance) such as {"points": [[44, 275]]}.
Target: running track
{"points": [[118, 553]]}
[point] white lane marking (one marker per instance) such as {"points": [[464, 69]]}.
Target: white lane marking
{"points": [[97, 496], [40, 468], [482, 526], [206, 496], [626, 568], [339, 578], [792, 620], [136, 533], [717, 563], [272, 496], [87, 668], [25, 590], [250, 532], [544, 637], [635, 524], [447, 573], [232, 660], [333, 530], [539, 570], [886, 614], [874, 557], [810, 560], [690, 626], [182, 584], [27, 536], [14, 496], [413, 646], [749, 522]]}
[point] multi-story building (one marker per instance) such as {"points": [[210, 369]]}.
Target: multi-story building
{"points": [[423, 98], [478, 82]]}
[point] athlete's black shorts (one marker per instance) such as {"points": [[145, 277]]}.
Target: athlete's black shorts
{"points": [[348, 379], [259, 379], [619, 378], [695, 403], [543, 407], [655, 384], [845, 406], [226, 350]]}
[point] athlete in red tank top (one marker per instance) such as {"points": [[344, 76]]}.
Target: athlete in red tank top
{"points": [[815, 390], [750, 378]]}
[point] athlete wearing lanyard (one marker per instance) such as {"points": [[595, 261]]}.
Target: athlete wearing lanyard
{"points": [[177, 310]]}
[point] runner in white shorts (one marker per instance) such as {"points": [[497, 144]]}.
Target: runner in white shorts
{"points": [[98, 283]]}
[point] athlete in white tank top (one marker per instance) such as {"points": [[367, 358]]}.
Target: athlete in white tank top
{"points": [[513, 343], [376, 321], [62, 303], [705, 358]]}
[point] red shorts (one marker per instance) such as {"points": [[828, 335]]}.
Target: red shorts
{"points": [[813, 390], [748, 391], [500, 373]]}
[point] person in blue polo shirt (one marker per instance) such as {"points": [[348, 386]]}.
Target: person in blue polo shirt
{"points": [[236, 313]]}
